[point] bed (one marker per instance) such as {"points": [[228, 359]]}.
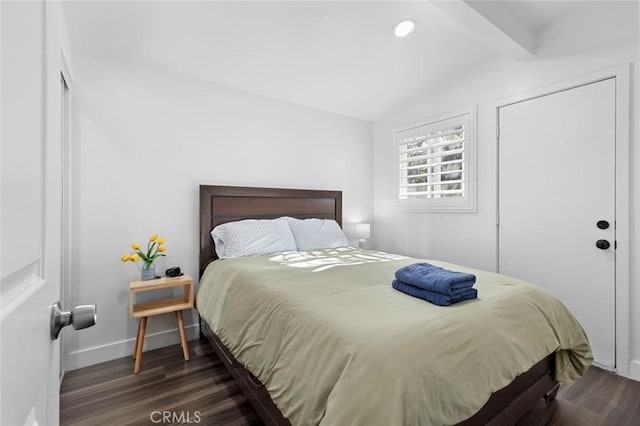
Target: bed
{"points": [[247, 348]]}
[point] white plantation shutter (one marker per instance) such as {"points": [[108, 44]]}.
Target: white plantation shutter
{"points": [[436, 162]]}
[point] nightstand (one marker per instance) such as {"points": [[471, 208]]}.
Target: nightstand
{"points": [[146, 309]]}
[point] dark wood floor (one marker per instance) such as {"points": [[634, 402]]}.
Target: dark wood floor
{"points": [[110, 394], [201, 391]]}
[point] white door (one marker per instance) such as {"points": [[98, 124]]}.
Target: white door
{"points": [[556, 182], [30, 217]]}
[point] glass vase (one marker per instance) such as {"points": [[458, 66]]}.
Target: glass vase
{"points": [[148, 272]]}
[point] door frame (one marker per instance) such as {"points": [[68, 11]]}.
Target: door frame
{"points": [[66, 239], [622, 187]]}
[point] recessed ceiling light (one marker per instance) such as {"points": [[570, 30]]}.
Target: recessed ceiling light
{"points": [[404, 28]]}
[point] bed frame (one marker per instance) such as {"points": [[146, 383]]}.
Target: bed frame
{"points": [[220, 204]]}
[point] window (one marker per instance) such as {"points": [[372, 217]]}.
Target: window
{"points": [[436, 163]]}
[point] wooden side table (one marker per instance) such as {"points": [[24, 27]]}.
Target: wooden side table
{"points": [[156, 307]]}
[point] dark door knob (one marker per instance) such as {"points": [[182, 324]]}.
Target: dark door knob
{"points": [[603, 244], [602, 224]]}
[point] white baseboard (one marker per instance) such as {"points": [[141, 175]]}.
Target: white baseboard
{"points": [[97, 354], [604, 367], [634, 370], [632, 373]]}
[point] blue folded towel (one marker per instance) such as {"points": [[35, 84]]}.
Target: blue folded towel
{"points": [[434, 278], [434, 297]]}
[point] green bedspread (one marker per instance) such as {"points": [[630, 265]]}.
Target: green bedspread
{"points": [[335, 344]]}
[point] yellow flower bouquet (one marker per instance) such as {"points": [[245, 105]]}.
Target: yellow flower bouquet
{"points": [[155, 248]]}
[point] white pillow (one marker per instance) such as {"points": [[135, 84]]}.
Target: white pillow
{"points": [[314, 234], [252, 237]]}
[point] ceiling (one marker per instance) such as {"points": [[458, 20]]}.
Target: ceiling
{"points": [[340, 57], [538, 14]]}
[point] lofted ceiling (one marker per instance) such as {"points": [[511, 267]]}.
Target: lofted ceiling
{"points": [[340, 57]]}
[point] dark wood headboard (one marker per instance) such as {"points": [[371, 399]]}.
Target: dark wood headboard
{"points": [[220, 204]]}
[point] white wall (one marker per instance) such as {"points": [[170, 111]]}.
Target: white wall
{"points": [[599, 36], [143, 140]]}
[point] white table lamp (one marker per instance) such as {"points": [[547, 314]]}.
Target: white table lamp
{"points": [[358, 232]]}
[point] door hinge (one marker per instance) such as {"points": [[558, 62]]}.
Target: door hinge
{"points": [[615, 244], [497, 218], [498, 131]]}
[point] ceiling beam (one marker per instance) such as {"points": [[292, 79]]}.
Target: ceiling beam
{"points": [[491, 21]]}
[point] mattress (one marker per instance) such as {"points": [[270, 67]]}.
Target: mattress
{"points": [[335, 344]]}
